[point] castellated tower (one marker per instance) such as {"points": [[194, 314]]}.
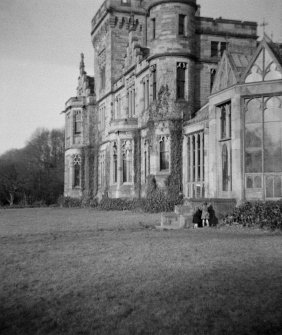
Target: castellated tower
{"points": [[154, 66], [171, 40]]}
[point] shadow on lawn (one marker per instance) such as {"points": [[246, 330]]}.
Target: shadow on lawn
{"points": [[227, 300]]}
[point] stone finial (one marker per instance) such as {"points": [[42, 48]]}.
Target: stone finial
{"points": [[82, 66]]}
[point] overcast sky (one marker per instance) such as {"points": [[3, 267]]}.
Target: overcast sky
{"points": [[40, 46]]}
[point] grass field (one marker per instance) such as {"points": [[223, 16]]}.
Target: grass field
{"points": [[81, 271]]}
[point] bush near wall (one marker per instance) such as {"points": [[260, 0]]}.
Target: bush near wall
{"points": [[111, 204], [69, 202], [158, 200], [258, 214]]}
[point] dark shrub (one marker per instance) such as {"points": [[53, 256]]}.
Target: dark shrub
{"points": [[258, 213], [69, 202], [111, 204], [158, 200]]}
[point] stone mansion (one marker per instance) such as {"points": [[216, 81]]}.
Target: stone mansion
{"points": [[175, 94]]}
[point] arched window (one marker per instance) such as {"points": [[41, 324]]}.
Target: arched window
{"points": [[76, 171], [115, 161], [164, 154], [223, 122], [225, 176], [146, 154], [77, 122], [127, 162]]}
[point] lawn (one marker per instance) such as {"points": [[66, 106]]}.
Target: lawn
{"points": [[81, 271]]}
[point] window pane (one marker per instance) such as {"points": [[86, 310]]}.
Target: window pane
{"points": [[153, 28], [214, 49], [164, 156], [253, 161], [269, 186], [249, 182], [76, 175], [273, 147], [124, 168], [273, 110], [180, 82], [253, 136], [154, 85], [222, 47], [224, 168], [223, 122], [277, 187], [257, 182], [254, 111], [181, 24]]}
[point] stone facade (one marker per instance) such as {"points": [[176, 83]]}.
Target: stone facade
{"points": [[155, 63]]}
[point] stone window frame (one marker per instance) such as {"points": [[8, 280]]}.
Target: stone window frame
{"points": [[182, 25], [146, 149], [154, 26], [195, 178], [76, 167], [164, 155], [213, 72], [102, 68], [117, 109], [127, 157], [146, 92], [224, 169], [68, 127], [181, 80], [77, 122], [217, 48], [102, 117], [114, 162], [225, 111], [153, 75], [102, 169], [131, 98]]}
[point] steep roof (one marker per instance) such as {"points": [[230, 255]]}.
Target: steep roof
{"points": [[201, 115], [240, 61], [227, 73], [266, 63]]}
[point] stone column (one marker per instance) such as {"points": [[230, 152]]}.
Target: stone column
{"points": [[228, 121], [129, 103], [133, 103], [191, 163], [196, 158], [119, 163], [185, 164]]}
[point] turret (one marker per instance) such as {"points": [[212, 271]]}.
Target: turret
{"points": [[171, 39], [171, 26]]}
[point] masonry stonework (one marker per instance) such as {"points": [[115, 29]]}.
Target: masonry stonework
{"points": [[170, 82]]}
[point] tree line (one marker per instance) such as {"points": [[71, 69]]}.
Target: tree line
{"points": [[34, 175]]}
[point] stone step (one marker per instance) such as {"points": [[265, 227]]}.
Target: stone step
{"points": [[186, 220], [168, 219], [183, 210], [173, 221]]}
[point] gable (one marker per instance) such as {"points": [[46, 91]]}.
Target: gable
{"points": [[264, 66], [225, 76]]}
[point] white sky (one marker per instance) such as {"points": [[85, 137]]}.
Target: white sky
{"points": [[40, 46]]}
